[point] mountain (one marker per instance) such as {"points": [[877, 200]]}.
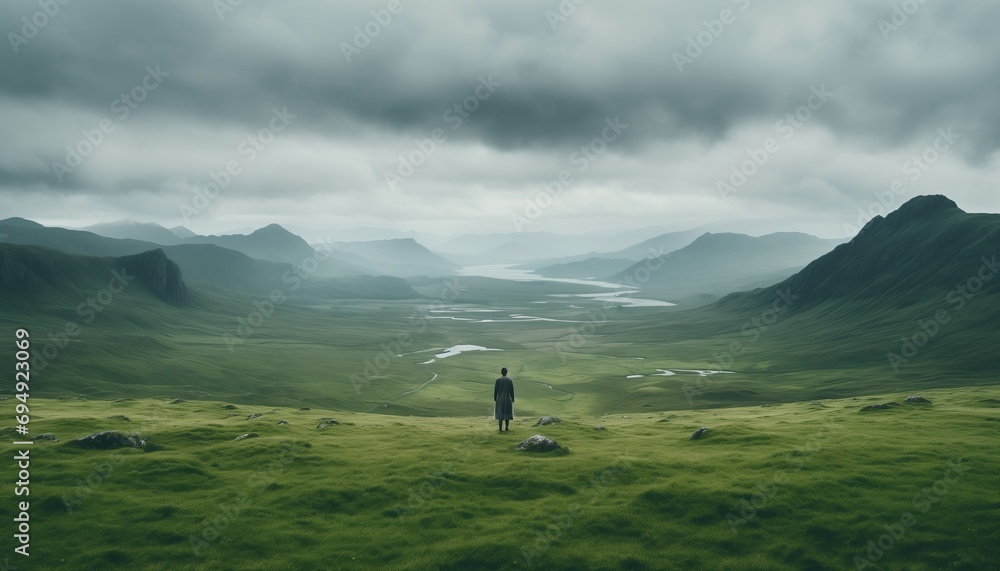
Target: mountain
{"points": [[718, 264], [204, 263], [20, 223], [926, 248], [146, 232], [648, 248], [272, 243], [182, 232], [547, 247], [587, 268], [399, 257], [36, 273]]}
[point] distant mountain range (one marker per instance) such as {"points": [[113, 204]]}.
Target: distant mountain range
{"points": [[398, 257], [718, 264]]}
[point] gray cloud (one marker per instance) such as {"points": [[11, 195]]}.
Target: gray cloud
{"points": [[893, 89]]}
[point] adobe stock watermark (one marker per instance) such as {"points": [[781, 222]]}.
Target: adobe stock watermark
{"points": [[231, 510], [914, 168], [954, 301], [32, 25], [577, 336], [563, 12], [596, 488], [901, 14], [367, 32], [753, 328], [786, 127], [765, 492], [391, 350], [713, 30], [581, 158], [895, 531], [88, 311], [246, 152], [264, 309], [455, 116], [121, 107]]}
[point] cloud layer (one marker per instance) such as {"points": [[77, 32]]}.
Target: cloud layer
{"points": [[471, 108]]}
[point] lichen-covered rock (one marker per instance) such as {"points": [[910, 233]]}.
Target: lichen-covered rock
{"points": [[537, 443], [545, 420], [699, 433], [120, 417], [282, 422], [254, 415], [247, 435], [918, 399], [879, 406], [111, 439]]}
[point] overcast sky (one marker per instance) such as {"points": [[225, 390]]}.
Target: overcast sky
{"points": [[344, 91]]}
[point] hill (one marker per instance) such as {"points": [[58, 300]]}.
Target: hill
{"points": [[795, 486]]}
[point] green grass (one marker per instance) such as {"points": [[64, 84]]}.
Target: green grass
{"points": [[790, 486]]}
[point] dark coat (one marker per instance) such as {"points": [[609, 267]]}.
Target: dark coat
{"points": [[503, 394]]}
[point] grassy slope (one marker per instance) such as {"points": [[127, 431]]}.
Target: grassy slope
{"points": [[639, 495]]}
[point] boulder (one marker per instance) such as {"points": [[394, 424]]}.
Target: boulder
{"points": [[111, 439], [545, 420], [254, 415], [697, 434], [247, 435], [325, 422], [918, 399], [537, 443], [878, 406], [599, 428], [51, 437], [282, 422], [120, 417]]}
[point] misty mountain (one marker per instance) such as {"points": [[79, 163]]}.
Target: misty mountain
{"points": [[128, 229], [648, 248], [182, 232], [398, 257], [272, 243], [718, 264], [587, 268], [205, 263], [552, 248]]}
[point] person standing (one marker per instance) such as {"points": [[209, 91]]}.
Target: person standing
{"points": [[503, 396]]}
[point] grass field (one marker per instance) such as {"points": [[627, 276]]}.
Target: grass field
{"points": [[790, 486]]}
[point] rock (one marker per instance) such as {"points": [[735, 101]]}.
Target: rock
{"points": [[230, 407], [282, 422], [324, 422], [254, 415], [51, 437], [547, 420], [917, 398], [305, 408], [699, 433], [176, 401], [120, 417], [879, 406], [247, 435], [157, 273], [110, 439], [537, 443], [599, 428]]}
